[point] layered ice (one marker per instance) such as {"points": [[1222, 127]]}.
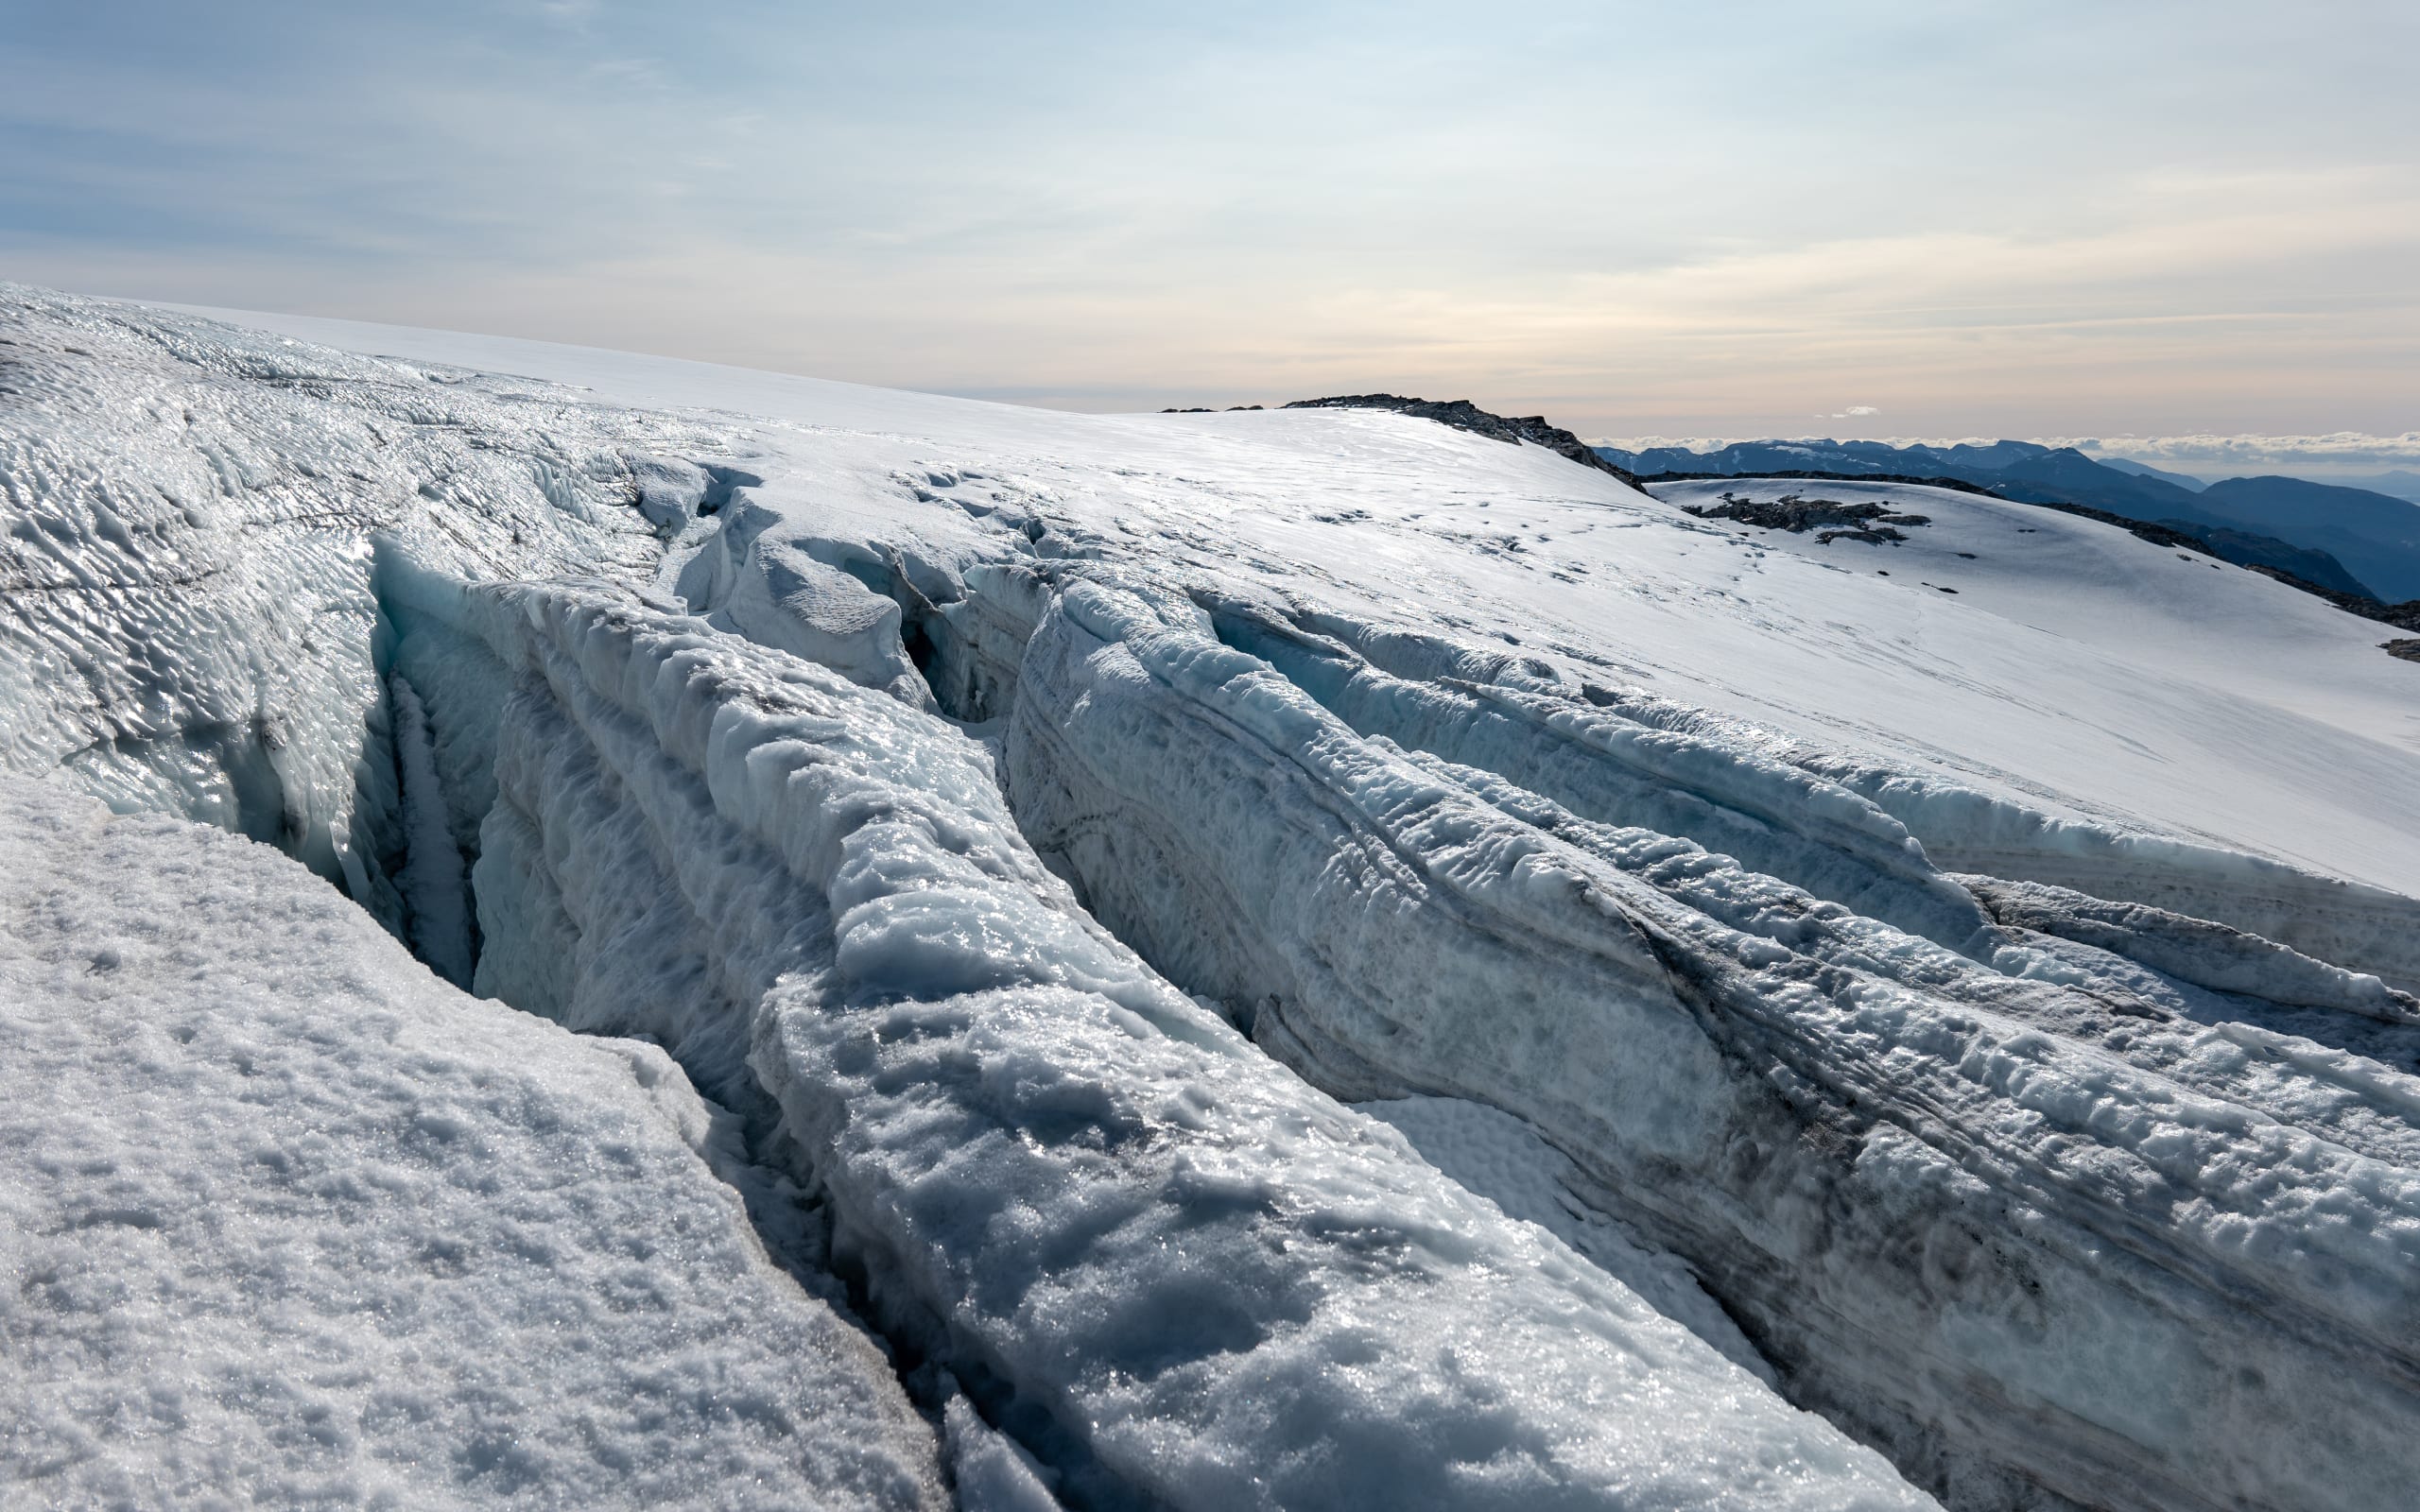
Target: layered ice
{"points": [[1177, 1274], [1774, 818], [191, 620], [1874, 1150]]}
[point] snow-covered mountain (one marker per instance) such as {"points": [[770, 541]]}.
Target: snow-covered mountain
{"points": [[2399, 483], [2345, 539], [967, 955]]}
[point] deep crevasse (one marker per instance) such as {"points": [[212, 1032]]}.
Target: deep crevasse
{"points": [[1175, 1271]]}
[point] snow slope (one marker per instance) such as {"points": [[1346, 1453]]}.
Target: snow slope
{"points": [[2094, 684], [1960, 987]]}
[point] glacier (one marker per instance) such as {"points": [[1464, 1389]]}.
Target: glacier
{"points": [[1290, 958]]}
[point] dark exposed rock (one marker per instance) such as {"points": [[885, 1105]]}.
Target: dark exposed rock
{"points": [[2315, 572], [2158, 534], [1869, 522], [2408, 651], [2246, 549], [2252, 553], [2310, 530], [1464, 416]]}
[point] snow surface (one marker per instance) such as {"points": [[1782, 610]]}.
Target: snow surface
{"points": [[289, 1222], [1960, 987]]}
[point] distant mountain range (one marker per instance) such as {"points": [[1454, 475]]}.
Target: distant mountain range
{"points": [[2144, 469], [2351, 540], [2400, 483]]}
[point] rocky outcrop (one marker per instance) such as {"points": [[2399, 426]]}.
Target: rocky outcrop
{"points": [[1829, 517], [1464, 416]]}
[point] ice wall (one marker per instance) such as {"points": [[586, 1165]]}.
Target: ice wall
{"points": [[1772, 817], [2365, 928], [204, 528], [1821, 1190]]}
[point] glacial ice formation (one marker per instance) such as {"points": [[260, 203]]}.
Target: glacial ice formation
{"points": [[1028, 856], [1872, 1149], [1143, 1245]]}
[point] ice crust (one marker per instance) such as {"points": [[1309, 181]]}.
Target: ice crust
{"points": [[1023, 829], [289, 1222]]}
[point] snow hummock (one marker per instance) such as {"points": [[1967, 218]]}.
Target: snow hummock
{"points": [[290, 1221], [1960, 987]]}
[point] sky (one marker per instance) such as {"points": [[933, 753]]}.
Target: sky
{"points": [[2121, 219]]}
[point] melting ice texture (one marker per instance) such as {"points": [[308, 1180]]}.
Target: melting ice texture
{"points": [[1980, 1018]]}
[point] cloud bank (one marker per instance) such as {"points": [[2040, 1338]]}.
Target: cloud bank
{"points": [[2339, 455]]}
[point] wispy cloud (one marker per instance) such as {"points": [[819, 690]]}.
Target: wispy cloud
{"points": [[2337, 454], [1118, 206], [575, 14]]}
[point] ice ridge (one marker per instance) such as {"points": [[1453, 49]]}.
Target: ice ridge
{"points": [[1140, 1244]]}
